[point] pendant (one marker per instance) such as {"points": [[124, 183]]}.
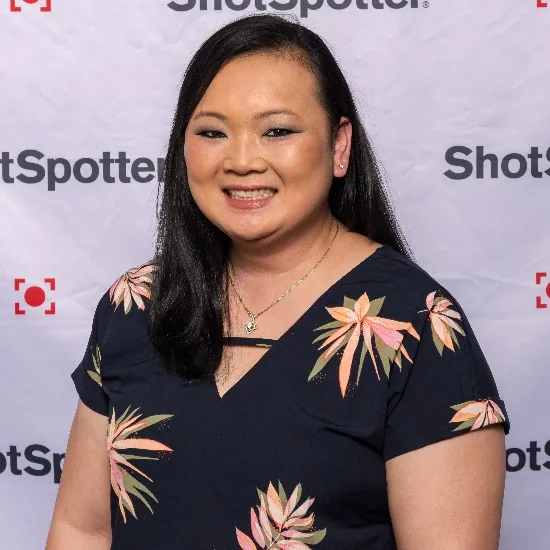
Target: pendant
{"points": [[251, 325]]}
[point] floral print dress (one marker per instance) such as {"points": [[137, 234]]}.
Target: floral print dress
{"points": [[292, 457]]}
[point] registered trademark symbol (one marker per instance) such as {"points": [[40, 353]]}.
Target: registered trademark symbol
{"points": [[426, 4]]}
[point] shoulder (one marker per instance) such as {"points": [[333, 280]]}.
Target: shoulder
{"points": [[404, 276], [406, 288], [132, 288], [122, 310], [119, 356]]}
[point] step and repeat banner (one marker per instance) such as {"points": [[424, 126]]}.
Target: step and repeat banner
{"points": [[455, 95]]}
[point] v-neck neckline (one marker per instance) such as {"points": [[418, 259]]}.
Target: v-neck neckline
{"points": [[278, 343]]}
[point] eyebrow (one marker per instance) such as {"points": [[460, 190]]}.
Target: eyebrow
{"points": [[261, 114]]}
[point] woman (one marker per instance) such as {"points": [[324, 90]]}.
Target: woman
{"points": [[282, 375]]}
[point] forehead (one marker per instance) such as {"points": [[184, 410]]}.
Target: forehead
{"points": [[261, 81]]}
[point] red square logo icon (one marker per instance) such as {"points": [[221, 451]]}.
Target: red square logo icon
{"points": [[34, 296], [44, 5], [541, 279]]}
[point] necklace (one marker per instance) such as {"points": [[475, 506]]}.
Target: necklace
{"points": [[251, 325]]}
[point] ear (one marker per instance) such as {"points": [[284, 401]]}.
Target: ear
{"points": [[342, 147]]}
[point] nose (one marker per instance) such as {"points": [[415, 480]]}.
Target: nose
{"points": [[243, 155]]}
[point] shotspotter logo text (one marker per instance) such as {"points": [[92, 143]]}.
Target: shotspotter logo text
{"points": [[482, 164], [305, 5], [38, 459], [32, 167]]}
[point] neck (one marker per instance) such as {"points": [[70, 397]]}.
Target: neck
{"points": [[285, 255]]}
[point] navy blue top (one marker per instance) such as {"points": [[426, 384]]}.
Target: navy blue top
{"points": [[293, 455]]}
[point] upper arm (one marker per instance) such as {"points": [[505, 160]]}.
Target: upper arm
{"points": [[444, 437], [448, 495], [82, 506]]}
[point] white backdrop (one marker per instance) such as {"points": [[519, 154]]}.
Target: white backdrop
{"points": [[88, 78]]}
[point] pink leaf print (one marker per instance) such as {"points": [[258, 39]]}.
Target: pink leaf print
{"points": [[292, 545], [147, 444], [443, 321], [306, 522], [344, 372], [477, 414], [274, 505], [123, 425], [256, 528], [120, 460], [292, 501], [122, 480], [279, 524], [361, 319], [245, 542], [264, 521], [303, 508], [132, 285], [118, 482], [387, 335]]}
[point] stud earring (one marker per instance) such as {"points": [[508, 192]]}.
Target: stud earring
{"points": [[340, 166]]}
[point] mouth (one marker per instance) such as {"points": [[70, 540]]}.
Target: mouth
{"points": [[250, 194]]}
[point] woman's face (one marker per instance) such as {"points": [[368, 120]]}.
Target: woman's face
{"points": [[261, 162]]}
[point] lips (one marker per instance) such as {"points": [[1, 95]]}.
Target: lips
{"points": [[250, 194], [245, 198]]}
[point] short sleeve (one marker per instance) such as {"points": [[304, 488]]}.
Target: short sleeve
{"points": [[447, 388], [88, 375]]}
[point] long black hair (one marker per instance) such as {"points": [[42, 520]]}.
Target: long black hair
{"points": [[189, 301]]}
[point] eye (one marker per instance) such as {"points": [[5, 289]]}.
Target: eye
{"points": [[203, 133], [281, 130]]}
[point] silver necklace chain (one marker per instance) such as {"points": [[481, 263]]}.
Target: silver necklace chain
{"points": [[251, 325]]}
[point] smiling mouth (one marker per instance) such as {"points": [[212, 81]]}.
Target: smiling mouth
{"points": [[250, 194]]}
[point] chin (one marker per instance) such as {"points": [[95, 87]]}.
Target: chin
{"points": [[251, 232]]}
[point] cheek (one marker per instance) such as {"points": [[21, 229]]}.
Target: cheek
{"points": [[307, 168], [304, 151], [208, 199], [201, 170], [206, 195], [198, 161], [201, 177]]}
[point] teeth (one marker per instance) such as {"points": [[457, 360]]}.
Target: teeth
{"points": [[254, 194]]}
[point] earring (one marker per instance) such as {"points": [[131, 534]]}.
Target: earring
{"points": [[340, 166]]}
